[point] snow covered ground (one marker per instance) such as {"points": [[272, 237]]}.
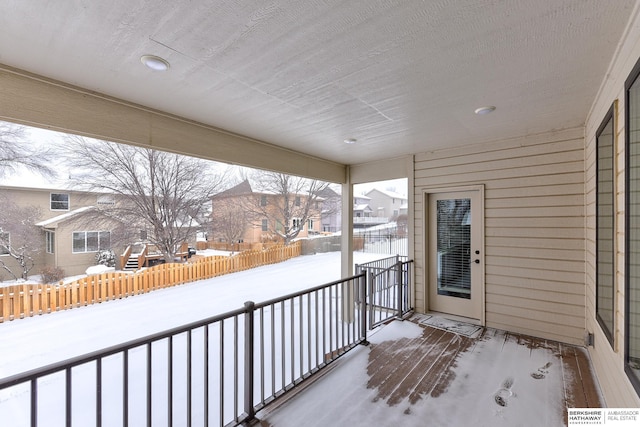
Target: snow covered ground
{"points": [[29, 343]]}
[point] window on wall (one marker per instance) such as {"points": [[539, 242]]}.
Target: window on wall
{"points": [[632, 228], [59, 202], [263, 200], [91, 241], [605, 214], [265, 225], [49, 241]]}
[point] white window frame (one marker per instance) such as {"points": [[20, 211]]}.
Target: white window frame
{"points": [[51, 201], [87, 233], [50, 241]]}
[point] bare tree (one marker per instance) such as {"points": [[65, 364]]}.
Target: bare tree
{"points": [[160, 192], [292, 201], [230, 220], [20, 239], [17, 152]]}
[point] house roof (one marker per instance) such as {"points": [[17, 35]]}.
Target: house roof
{"points": [[362, 207], [63, 217], [401, 77], [241, 189], [388, 193]]}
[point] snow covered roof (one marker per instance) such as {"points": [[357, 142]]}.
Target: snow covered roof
{"points": [[388, 193], [63, 217], [362, 207]]}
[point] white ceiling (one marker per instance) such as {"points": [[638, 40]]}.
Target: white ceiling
{"points": [[400, 76]]}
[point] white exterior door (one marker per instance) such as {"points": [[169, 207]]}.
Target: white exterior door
{"points": [[455, 246]]}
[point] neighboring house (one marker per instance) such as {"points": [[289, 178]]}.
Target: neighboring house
{"points": [[240, 214], [331, 210], [386, 203], [70, 243]]}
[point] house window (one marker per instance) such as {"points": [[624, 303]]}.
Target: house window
{"points": [[605, 215], [5, 242], [91, 241], [59, 202], [296, 223], [143, 235], [310, 224], [49, 241], [263, 200], [632, 228], [265, 225], [297, 201]]}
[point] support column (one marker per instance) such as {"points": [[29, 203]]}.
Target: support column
{"points": [[347, 226]]}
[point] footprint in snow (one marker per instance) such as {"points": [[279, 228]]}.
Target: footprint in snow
{"points": [[503, 395]]}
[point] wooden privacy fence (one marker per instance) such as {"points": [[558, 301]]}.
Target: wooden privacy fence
{"points": [[19, 301]]}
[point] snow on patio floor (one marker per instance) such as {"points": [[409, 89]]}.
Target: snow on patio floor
{"points": [[414, 375]]}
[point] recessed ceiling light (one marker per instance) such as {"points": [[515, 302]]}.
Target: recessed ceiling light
{"points": [[154, 62], [485, 110], [350, 141]]}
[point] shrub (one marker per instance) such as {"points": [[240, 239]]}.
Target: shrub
{"points": [[52, 274], [106, 257]]}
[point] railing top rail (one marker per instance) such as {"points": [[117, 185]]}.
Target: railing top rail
{"points": [[118, 348], [306, 291]]}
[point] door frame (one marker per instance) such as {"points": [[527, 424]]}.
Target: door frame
{"points": [[425, 240]]}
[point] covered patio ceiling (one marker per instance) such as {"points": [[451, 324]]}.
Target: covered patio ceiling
{"points": [[399, 76]]}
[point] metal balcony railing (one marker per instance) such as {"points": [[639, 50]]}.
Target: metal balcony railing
{"points": [[388, 290], [218, 371]]}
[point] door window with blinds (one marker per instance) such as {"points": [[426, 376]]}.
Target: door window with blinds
{"points": [[454, 253], [632, 231], [605, 225]]}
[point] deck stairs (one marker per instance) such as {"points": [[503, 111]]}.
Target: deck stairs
{"points": [[132, 262]]}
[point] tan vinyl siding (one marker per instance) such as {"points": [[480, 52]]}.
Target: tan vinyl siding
{"points": [[534, 228], [609, 360]]}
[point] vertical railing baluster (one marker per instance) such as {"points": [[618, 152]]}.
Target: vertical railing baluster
{"points": [[317, 329], [362, 284], [261, 332], [125, 388], [399, 288], [236, 389], [206, 374], [283, 350], [309, 332], [301, 340], [68, 395], [221, 356], [273, 349], [189, 380], [292, 355], [34, 402], [330, 322], [248, 360], [372, 300], [324, 326], [99, 392], [149, 386], [170, 381]]}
